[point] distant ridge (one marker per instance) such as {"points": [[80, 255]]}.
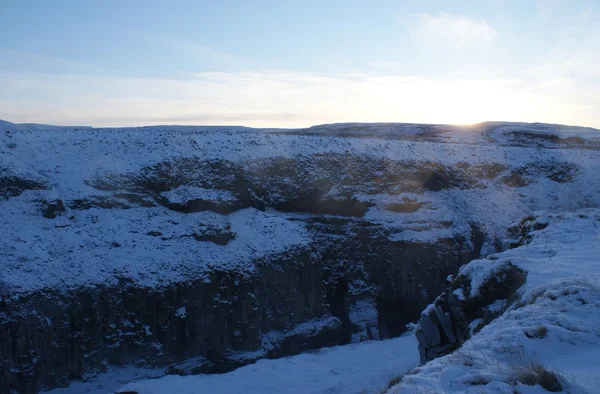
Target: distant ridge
{"points": [[540, 126]]}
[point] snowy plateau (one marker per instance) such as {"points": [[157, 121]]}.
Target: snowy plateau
{"points": [[345, 258]]}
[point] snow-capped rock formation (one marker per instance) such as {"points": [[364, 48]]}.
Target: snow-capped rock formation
{"points": [[160, 244], [525, 317]]}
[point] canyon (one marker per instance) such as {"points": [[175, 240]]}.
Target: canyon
{"points": [[204, 249]]}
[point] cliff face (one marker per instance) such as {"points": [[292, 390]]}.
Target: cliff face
{"points": [[228, 317], [220, 246], [50, 337]]}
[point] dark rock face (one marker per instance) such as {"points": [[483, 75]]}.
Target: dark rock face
{"points": [[12, 185], [53, 209], [47, 338], [391, 322], [300, 184], [447, 323]]}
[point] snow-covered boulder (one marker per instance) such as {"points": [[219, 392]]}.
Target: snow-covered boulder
{"points": [[477, 295]]}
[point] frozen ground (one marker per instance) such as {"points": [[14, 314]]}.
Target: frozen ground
{"points": [[365, 367]]}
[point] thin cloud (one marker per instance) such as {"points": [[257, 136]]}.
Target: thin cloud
{"points": [[24, 60], [206, 55], [450, 31], [578, 60]]}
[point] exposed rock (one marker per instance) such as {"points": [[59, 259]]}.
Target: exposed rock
{"points": [[447, 322], [521, 232], [309, 335], [53, 209], [191, 366], [195, 199], [118, 200], [12, 185], [313, 184], [405, 207], [557, 171]]}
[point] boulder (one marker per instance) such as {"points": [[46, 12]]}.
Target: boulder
{"points": [[53, 209], [445, 324]]}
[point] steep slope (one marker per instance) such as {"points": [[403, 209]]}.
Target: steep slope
{"points": [[543, 337], [155, 245]]}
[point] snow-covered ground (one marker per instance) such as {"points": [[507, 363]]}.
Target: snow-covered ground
{"points": [[65, 159], [69, 156], [155, 246], [554, 322], [365, 368]]}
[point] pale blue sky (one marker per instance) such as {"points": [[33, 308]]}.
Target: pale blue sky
{"points": [[298, 63]]}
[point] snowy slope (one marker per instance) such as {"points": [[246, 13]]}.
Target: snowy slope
{"points": [[501, 133], [554, 321], [101, 245], [65, 162]]}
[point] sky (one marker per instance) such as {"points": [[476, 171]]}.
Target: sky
{"points": [[292, 63]]}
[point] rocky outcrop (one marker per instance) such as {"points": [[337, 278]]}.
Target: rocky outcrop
{"points": [[464, 308], [12, 185], [319, 184], [308, 335], [50, 210]]}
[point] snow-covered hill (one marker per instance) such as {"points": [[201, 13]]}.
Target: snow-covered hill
{"points": [[479, 174]]}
